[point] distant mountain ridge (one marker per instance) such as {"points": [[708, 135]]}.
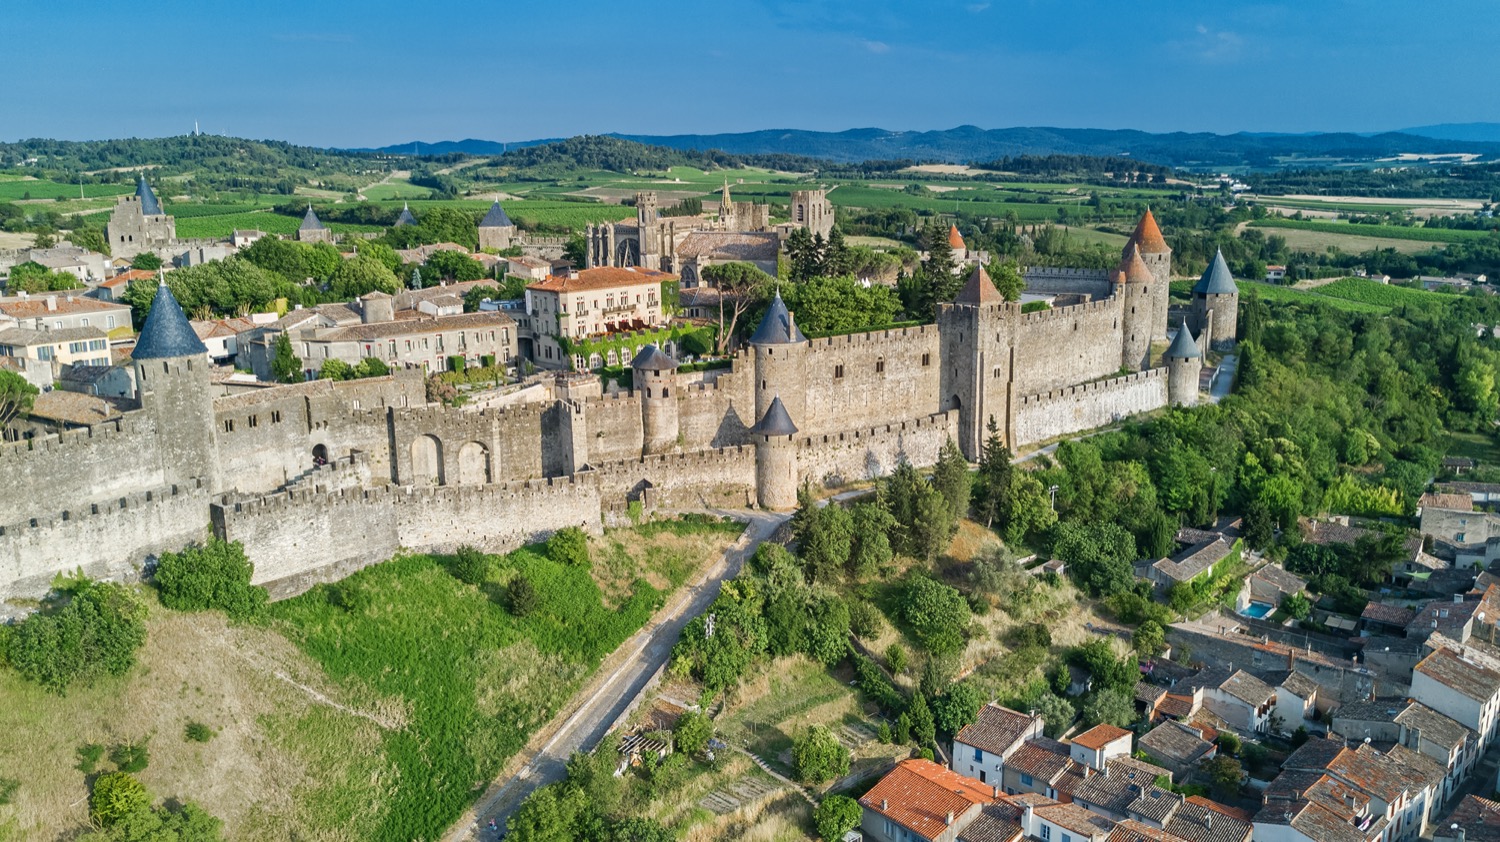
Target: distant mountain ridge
{"points": [[1466, 132], [971, 144]]}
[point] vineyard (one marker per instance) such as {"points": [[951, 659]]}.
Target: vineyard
{"points": [[1382, 295], [1393, 232], [198, 225]]}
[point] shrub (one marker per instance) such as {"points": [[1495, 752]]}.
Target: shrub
{"points": [[865, 619], [198, 732], [216, 575], [895, 658], [1031, 634], [1255, 756], [130, 757], [883, 733], [818, 756], [89, 755], [116, 795], [471, 566], [8, 787], [836, 816], [96, 631], [924, 753], [569, 546], [1230, 743], [457, 363], [938, 614], [691, 733], [521, 596]]}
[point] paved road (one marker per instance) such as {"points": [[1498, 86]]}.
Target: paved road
{"points": [[580, 726], [1227, 368]]}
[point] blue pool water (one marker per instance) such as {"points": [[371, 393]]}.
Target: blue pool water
{"points": [[1258, 610]]}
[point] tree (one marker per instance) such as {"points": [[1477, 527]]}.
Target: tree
{"points": [[837, 257], [521, 596], [692, 732], [371, 367], [1006, 275], [95, 632], [414, 281], [549, 814], [740, 285], [286, 366], [569, 546], [818, 756], [1258, 526], [992, 487], [91, 238], [872, 542], [939, 283], [1297, 605], [215, 575], [951, 478], [1225, 775], [956, 708], [471, 566], [1149, 639], [576, 250], [924, 523], [836, 815], [185, 823], [938, 614], [827, 544], [32, 277], [827, 634], [454, 266], [360, 275], [335, 369], [841, 304], [116, 795], [1110, 706], [1229, 743], [923, 725], [804, 256], [1099, 556], [146, 260], [16, 397], [1057, 713]]}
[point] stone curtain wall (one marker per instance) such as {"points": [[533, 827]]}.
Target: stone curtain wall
{"points": [[1072, 409], [108, 539], [1067, 345], [49, 474], [1045, 280], [703, 479], [868, 393], [839, 458]]}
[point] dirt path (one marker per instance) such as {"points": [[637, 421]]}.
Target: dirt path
{"points": [[622, 677]]}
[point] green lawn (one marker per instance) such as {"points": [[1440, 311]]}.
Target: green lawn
{"points": [[1390, 232], [1482, 448]]}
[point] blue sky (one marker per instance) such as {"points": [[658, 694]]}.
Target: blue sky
{"points": [[374, 72]]}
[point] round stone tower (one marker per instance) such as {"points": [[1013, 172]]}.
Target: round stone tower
{"points": [[1134, 285], [1216, 305], [779, 349], [171, 382], [776, 458], [655, 377], [1184, 364], [1157, 256]]}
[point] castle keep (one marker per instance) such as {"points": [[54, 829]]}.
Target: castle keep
{"points": [[320, 478]]}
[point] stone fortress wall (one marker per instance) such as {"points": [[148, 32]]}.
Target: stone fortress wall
{"points": [[397, 473]]}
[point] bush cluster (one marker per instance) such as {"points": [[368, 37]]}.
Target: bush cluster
{"points": [[216, 575]]}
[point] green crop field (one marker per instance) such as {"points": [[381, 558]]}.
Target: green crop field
{"points": [[1287, 295], [1383, 295], [1393, 232], [11, 191], [395, 190]]}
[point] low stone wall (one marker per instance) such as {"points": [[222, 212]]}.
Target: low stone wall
{"points": [[841, 458]]}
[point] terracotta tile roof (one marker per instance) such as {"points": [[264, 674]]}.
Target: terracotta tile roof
{"points": [[1298, 684], [1176, 705], [996, 729], [410, 327], [1176, 742], [78, 408], [36, 306], [1195, 559], [955, 239], [1278, 577], [1373, 772], [1247, 688], [1155, 803], [1223, 809], [1479, 818], [1391, 615], [1150, 694], [1421, 769], [1458, 502], [129, 275], [26, 337], [1075, 818], [726, 245], [1100, 736], [1148, 236], [1315, 821], [997, 822], [1114, 792], [919, 795], [979, 289], [602, 277], [1131, 830], [1436, 727], [1464, 675], [1134, 268], [1442, 616], [1042, 758]]}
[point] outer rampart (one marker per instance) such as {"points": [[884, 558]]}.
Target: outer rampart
{"points": [[109, 539], [65, 471], [1073, 408], [1067, 345], [700, 479], [1049, 280], [865, 379], [839, 458]]}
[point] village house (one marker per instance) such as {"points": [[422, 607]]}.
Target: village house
{"points": [[58, 310], [981, 748], [590, 303], [1179, 746]]}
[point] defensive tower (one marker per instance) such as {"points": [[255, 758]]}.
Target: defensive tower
{"points": [[776, 458], [138, 223], [1184, 364], [496, 231], [1134, 284], [780, 350], [655, 377], [978, 372], [171, 380], [312, 229], [1216, 305], [1157, 256]]}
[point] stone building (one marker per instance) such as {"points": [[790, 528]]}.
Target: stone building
{"points": [[589, 303], [811, 209], [406, 218], [312, 229], [138, 223], [1184, 365], [1216, 305], [496, 231]]}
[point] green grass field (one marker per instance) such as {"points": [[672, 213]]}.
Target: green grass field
{"points": [[21, 189], [1392, 232], [1287, 295], [1382, 295]]}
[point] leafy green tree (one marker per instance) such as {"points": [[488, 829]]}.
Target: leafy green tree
{"points": [[187, 823], [116, 795], [924, 521], [841, 305], [32, 277], [692, 732], [938, 614], [17, 396], [549, 814], [827, 545], [335, 369], [569, 546], [454, 266], [838, 259], [576, 250], [951, 478], [146, 260], [818, 756], [360, 275], [827, 628], [1099, 556], [215, 575], [1057, 713], [958, 707], [95, 632], [1110, 706], [1229, 743], [923, 725], [286, 366], [371, 367], [1031, 511], [803, 255], [91, 238], [1149, 639], [836, 815], [992, 487], [441, 225], [1006, 275], [1225, 776], [939, 283], [740, 286], [872, 543], [1297, 605]]}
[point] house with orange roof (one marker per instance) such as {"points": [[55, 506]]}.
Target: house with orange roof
{"points": [[114, 288], [1096, 746], [591, 303]]}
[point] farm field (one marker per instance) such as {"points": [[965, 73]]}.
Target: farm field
{"points": [[1281, 294], [373, 709], [1392, 232], [1383, 295], [20, 189], [1320, 241]]}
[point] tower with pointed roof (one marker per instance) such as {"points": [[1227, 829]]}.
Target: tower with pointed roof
{"points": [[139, 224], [405, 218], [780, 351], [171, 381], [1157, 256], [1135, 286], [496, 231], [775, 437], [1184, 365], [1216, 305], [654, 375], [977, 360], [312, 229]]}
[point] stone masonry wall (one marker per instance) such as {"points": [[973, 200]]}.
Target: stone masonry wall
{"points": [[1049, 280], [1073, 408], [1067, 345], [839, 458], [109, 539], [701, 479], [52, 473], [882, 378]]}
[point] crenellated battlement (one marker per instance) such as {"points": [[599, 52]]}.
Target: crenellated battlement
{"points": [[1069, 311], [1095, 387], [126, 425], [1042, 272], [942, 420], [872, 337], [125, 504]]}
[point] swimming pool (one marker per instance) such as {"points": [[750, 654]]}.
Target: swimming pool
{"points": [[1258, 610]]}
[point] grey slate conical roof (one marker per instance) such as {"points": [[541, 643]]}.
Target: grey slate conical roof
{"points": [[652, 358], [776, 422], [405, 218], [166, 332], [310, 221], [1183, 347], [778, 327], [1216, 278], [149, 204], [496, 218]]}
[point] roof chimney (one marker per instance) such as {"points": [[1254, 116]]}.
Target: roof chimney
{"points": [[51, 303], [1208, 820], [884, 805], [950, 817], [996, 790], [1458, 597]]}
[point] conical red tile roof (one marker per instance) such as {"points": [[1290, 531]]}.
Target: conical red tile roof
{"points": [[979, 289], [955, 239], [1148, 237], [1135, 269]]}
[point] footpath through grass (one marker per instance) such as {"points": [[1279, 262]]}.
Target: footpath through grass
{"points": [[475, 680]]}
